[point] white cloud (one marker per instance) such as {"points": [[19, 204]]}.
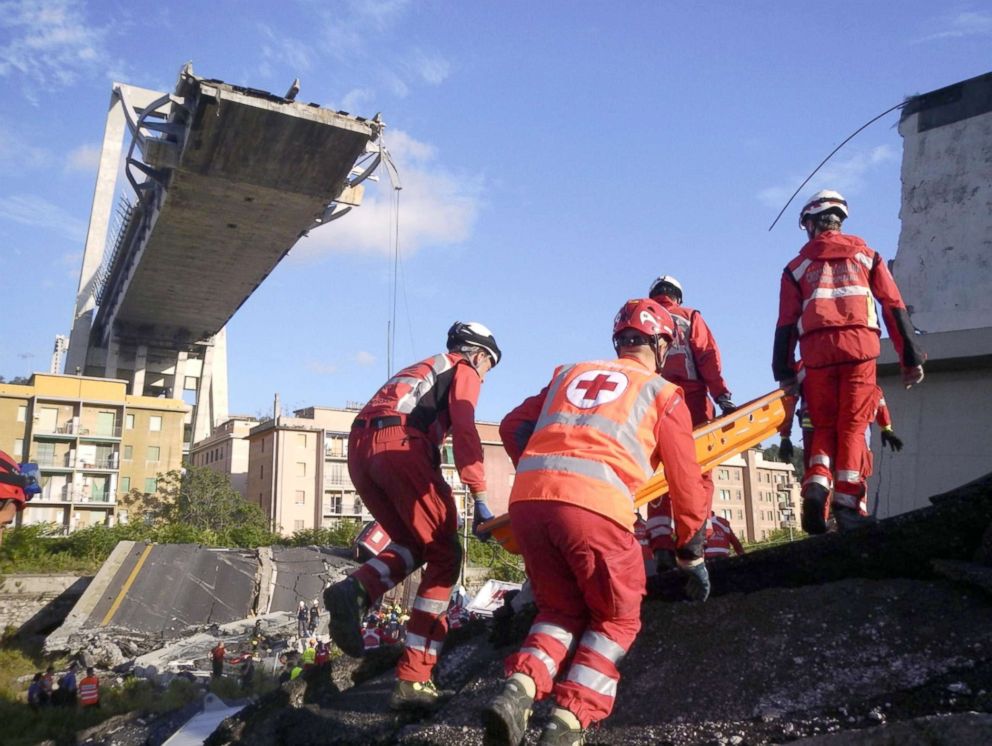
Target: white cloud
{"points": [[431, 68], [365, 359], [436, 207], [283, 50], [49, 43], [357, 100], [959, 25], [85, 158], [18, 153], [846, 175], [34, 211]]}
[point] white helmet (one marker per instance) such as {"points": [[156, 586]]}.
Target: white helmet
{"points": [[665, 280], [475, 334], [822, 201]]}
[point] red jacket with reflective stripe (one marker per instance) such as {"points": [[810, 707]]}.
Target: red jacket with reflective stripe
{"points": [[721, 539], [89, 691], [596, 433], [694, 360], [827, 302], [438, 395]]}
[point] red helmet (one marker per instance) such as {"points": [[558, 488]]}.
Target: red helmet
{"points": [[645, 316], [11, 481]]}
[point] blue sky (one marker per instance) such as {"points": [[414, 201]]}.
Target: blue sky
{"points": [[555, 158]]}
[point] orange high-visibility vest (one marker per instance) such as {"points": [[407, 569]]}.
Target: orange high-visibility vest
{"points": [[595, 441], [89, 691]]}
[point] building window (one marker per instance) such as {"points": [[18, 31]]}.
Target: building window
{"points": [[728, 514], [154, 452], [129, 422], [18, 448], [302, 440], [128, 453], [297, 525], [155, 424], [358, 505], [125, 484], [301, 497], [150, 485], [22, 413], [738, 494], [335, 473], [724, 494], [301, 468], [261, 470], [740, 514]]}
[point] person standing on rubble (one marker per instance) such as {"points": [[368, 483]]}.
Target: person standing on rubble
{"points": [[302, 621], [827, 305], [89, 690], [582, 447], [693, 364], [394, 461], [217, 655], [314, 620]]}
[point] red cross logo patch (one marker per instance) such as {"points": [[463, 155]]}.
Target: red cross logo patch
{"points": [[595, 387]]}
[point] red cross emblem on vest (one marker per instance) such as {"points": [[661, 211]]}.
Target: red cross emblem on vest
{"points": [[594, 387]]}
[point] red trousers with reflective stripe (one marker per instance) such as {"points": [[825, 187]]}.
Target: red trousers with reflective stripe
{"points": [[587, 575], [394, 470], [841, 401]]}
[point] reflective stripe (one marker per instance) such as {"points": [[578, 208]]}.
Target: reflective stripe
{"points": [[865, 260], [603, 645], [660, 520], [681, 347], [556, 384], [385, 576], [403, 552], [593, 469], [848, 501], [560, 634], [820, 459], [420, 386], [623, 433], [717, 551], [799, 271], [845, 291], [592, 679], [429, 605], [848, 475], [422, 645], [817, 479], [546, 659]]}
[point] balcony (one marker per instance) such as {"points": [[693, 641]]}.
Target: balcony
{"points": [[65, 494], [65, 431], [89, 499], [100, 433], [64, 462]]}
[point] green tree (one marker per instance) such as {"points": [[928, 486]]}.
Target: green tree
{"points": [[771, 454], [202, 500]]}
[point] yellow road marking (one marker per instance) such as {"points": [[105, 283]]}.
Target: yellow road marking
{"points": [[126, 587]]}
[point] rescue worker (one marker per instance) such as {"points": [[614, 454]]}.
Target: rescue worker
{"points": [[661, 536], [302, 621], [693, 364], [395, 464], [217, 654], [720, 537], [582, 447], [89, 690], [18, 484], [827, 305], [314, 619]]}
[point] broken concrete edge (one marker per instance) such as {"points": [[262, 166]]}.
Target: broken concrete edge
{"points": [[154, 665], [266, 580], [58, 641]]}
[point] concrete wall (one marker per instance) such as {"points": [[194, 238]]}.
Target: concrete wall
{"points": [[944, 269], [33, 603]]}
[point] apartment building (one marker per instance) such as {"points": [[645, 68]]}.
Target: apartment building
{"points": [[757, 496], [93, 442], [225, 451], [298, 469]]}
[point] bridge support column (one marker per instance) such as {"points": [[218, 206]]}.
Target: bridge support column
{"points": [[140, 363]]}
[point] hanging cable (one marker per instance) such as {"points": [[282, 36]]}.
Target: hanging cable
{"points": [[832, 152]]}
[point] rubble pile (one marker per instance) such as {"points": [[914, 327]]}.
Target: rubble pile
{"points": [[875, 637]]}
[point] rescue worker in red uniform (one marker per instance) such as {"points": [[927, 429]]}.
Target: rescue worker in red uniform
{"points": [[827, 305], [720, 538], [693, 363], [581, 448], [18, 484], [395, 464]]}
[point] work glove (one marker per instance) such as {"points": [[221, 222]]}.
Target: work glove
{"points": [[480, 514], [912, 376], [790, 386], [726, 405], [785, 450], [891, 440], [697, 579], [664, 559]]}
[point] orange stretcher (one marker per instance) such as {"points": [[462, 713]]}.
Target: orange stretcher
{"points": [[716, 441]]}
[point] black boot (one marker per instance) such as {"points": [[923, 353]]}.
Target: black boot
{"points": [[849, 519], [346, 601], [814, 509], [505, 718]]}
